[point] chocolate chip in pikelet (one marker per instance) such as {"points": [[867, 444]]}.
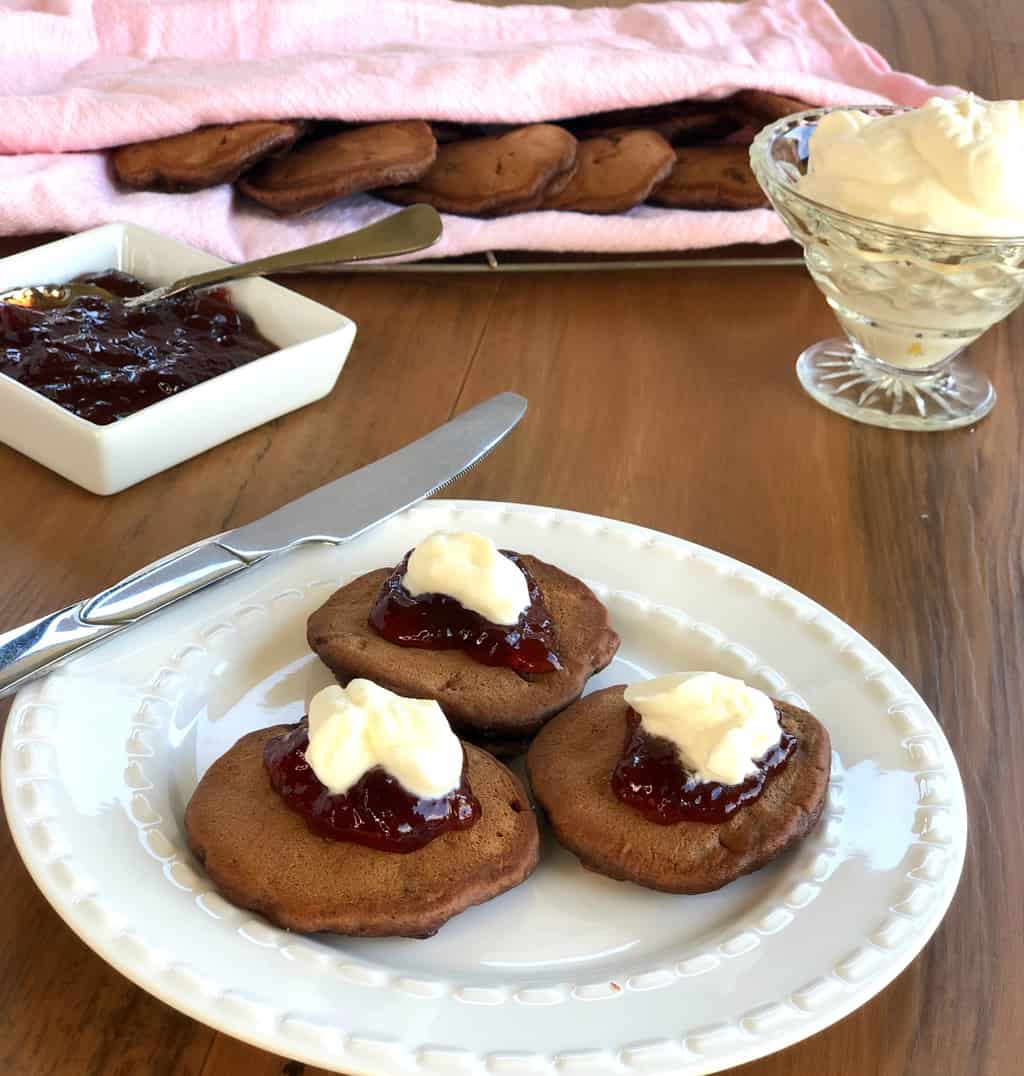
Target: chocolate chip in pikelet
{"points": [[362, 158], [570, 763], [202, 158], [492, 705], [680, 123], [492, 176], [710, 177], [614, 173], [261, 855]]}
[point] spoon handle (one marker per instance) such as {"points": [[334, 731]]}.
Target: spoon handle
{"points": [[412, 229]]}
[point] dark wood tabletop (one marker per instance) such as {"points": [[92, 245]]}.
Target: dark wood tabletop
{"points": [[666, 398]]}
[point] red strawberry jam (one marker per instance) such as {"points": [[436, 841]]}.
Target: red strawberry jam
{"points": [[103, 361]]}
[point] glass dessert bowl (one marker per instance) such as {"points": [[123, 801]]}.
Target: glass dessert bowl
{"points": [[909, 301]]}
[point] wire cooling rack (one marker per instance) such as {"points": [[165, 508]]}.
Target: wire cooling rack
{"points": [[509, 261]]}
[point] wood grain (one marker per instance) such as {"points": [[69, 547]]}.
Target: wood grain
{"points": [[665, 398]]}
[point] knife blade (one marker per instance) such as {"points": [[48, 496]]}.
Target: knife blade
{"points": [[336, 512]]}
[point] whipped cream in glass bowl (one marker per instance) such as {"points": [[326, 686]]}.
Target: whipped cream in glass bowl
{"points": [[912, 225]]}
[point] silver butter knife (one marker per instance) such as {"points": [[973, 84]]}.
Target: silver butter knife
{"points": [[335, 513]]}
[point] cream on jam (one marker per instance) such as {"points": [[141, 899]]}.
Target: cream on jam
{"points": [[433, 621], [698, 746], [376, 811], [372, 767], [470, 568], [650, 778]]}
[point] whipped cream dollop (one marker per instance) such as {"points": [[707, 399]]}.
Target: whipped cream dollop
{"points": [[470, 568], [955, 165], [719, 725], [353, 729]]}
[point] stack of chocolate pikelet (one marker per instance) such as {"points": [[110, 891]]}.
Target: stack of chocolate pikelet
{"points": [[680, 155]]}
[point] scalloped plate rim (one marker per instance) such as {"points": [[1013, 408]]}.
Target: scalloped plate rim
{"points": [[277, 1040]]}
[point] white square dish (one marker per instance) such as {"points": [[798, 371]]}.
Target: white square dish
{"points": [[313, 343]]}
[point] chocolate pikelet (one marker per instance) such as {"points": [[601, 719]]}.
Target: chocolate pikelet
{"points": [[760, 108], [558, 184], [494, 706], [261, 855], [680, 123], [359, 159], [570, 764], [614, 173], [202, 158], [492, 176], [710, 177], [446, 131]]}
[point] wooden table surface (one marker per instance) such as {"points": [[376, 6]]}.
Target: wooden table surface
{"points": [[666, 398]]}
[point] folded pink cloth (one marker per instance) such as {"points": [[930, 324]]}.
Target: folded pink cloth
{"points": [[77, 76]]}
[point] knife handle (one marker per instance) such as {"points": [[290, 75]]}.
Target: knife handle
{"points": [[33, 649], [162, 582]]}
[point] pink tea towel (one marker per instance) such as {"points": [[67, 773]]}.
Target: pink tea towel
{"points": [[78, 76]]}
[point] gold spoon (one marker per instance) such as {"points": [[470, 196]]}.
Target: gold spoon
{"points": [[411, 229]]}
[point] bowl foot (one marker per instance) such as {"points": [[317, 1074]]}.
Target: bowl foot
{"points": [[881, 395]]}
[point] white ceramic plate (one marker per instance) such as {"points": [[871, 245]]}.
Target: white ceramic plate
{"points": [[570, 973]]}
